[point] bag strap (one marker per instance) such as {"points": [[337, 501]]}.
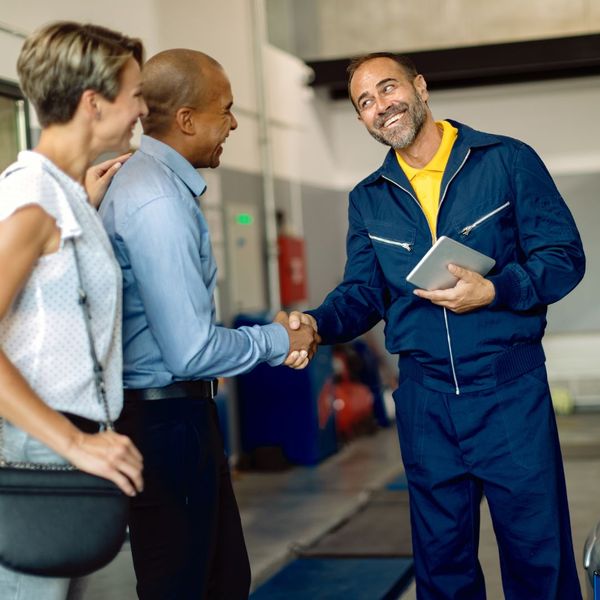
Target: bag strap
{"points": [[98, 380], [87, 318]]}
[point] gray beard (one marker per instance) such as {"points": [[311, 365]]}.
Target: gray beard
{"points": [[403, 137]]}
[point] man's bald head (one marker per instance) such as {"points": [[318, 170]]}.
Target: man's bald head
{"points": [[172, 79]]}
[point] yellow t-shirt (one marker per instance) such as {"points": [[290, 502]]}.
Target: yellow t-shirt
{"points": [[427, 181]]}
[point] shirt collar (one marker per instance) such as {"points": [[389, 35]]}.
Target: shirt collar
{"points": [[440, 158], [174, 161]]}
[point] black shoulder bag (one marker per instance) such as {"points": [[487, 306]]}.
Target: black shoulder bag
{"points": [[55, 520]]}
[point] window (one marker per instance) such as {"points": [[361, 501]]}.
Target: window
{"points": [[13, 123]]}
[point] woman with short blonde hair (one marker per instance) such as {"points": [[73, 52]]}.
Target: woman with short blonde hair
{"points": [[85, 84]]}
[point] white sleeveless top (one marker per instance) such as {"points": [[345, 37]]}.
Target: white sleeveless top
{"points": [[43, 333]]}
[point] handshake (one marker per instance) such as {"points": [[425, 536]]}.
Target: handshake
{"points": [[304, 339]]}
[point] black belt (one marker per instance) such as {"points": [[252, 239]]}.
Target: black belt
{"points": [[182, 389], [85, 425]]}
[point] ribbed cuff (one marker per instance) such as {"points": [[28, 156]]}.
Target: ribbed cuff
{"points": [[508, 290]]}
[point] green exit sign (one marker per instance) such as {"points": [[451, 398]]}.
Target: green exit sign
{"points": [[243, 219]]}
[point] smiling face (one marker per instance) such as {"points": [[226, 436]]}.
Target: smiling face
{"points": [[392, 107], [116, 119], [214, 120]]}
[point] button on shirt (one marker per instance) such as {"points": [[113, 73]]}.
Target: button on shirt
{"points": [[162, 243]]}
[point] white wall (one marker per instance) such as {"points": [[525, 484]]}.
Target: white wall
{"points": [[300, 127], [135, 18], [139, 20], [558, 118], [9, 50], [226, 31], [223, 30]]}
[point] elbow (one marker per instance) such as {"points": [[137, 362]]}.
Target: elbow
{"points": [[187, 365], [578, 260], [180, 368], [567, 281]]}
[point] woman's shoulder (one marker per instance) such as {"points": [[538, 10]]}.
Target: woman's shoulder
{"points": [[27, 182]]}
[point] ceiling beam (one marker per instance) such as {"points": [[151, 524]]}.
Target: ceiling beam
{"points": [[490, 64]]}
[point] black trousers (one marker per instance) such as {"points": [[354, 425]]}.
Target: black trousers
{"points": [[186, 534]]}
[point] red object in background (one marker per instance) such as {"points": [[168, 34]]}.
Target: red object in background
{"points": [[292, 269], [353, 405], [353, 402], [325, 402]]}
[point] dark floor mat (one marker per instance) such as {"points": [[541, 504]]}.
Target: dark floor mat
{"points": [[333, 579], [381, 528]]}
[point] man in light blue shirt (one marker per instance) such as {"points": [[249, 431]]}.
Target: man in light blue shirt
{"points": [[162, 243], [185, 529]]}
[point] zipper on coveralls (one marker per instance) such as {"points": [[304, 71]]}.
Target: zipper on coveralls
{"points": [[448, 337], [467, 230], [456, 387], [406, 245]]}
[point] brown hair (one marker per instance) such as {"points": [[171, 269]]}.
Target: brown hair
{"points": [[407, 65], [58, 62]]}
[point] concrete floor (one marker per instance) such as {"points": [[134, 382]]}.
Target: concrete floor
{"points": [[284, 510]]}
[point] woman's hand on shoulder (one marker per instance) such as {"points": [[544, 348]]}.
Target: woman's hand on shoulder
{"points": [[109, 455], [98, 178]]}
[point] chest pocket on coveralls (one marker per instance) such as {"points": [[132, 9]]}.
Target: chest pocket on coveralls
{"points": [[491, 232], [394, 246]]}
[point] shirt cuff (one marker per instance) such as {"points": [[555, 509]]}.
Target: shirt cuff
{"points": [[507, 288], [279, 343]]}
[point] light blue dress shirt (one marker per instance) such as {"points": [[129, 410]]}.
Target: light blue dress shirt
{"points": [[162, 243]]}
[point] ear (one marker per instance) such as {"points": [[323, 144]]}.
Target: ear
{"points": [[89, 103], [421, 86], [185, 121]]}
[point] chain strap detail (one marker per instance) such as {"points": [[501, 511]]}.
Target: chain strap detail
{"points": [[108, 425]]}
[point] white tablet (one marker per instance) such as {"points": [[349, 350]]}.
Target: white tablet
{"points": [[431, 272]]}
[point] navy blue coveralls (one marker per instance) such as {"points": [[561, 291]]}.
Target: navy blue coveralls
{"points": [[473, 407]]}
